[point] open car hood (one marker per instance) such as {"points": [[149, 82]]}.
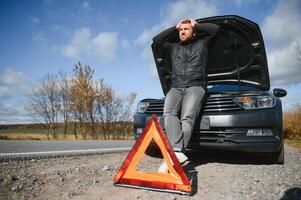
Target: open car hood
{"points": [[237, 55]]}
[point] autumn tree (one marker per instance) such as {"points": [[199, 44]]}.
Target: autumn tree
{"points": [[82, 98], [91, 107]]}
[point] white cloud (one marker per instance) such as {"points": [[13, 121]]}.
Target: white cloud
{"points": [[79, 43], [147, 52], [173, 13], [10, 77], [7, 110], [4, 92], [283, 25], [282, 29], [154, 71], [284, 66], [12, 83], [239, 3], [13, 86], [147, 34], [189, 9], [12, 114], [82, 43], [105, 45]]}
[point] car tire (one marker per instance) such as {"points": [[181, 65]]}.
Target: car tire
{"points": [[278, 157]]}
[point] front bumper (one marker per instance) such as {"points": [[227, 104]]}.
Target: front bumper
{"points": [[228, 130], [264, 144]]}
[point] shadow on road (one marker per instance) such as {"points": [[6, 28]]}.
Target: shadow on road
{"points": [[292, 194], [229, 157], [217, 156]]}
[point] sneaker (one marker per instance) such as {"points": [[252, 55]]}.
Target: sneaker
{"points": [[180, 156]]}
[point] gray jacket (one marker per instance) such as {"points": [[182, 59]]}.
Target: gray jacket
{"points": [[189, 59]]}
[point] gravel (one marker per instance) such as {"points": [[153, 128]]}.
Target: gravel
{"points": [[215, 175]]}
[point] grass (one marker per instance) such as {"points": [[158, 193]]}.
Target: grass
{"points": [[294, 143], [23, 136], [41, 136], [23, 131], [292, 126]]}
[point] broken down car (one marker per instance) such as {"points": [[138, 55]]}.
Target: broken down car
{"points": [[240, 112]]}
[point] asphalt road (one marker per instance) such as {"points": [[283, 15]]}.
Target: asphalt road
{"points": [[10, 149]]}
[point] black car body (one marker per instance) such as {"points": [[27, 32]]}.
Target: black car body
{"points": [[240, 112]]}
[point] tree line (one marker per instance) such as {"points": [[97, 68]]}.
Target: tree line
{"points": [[82, 106]]}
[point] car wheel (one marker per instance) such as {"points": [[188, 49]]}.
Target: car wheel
{"points": [[278, 158]]}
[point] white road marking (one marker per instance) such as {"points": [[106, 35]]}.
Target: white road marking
{"points": [[67, 151]]}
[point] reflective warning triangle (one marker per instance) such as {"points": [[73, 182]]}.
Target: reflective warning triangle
{"points": [[175, 180]]}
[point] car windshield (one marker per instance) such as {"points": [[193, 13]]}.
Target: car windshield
{"points": [[226, 88]]}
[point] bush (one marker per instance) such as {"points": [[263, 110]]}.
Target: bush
{"points": [[292, 123]]}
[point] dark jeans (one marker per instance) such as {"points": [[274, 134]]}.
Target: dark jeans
{"points": [[188, 101]]}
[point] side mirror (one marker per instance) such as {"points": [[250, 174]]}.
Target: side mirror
{"points": [[278, 92]]}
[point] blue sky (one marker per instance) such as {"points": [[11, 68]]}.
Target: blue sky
{"points": [[40, 37]]}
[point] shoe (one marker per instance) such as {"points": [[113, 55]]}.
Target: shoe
{"points": [[180, 156]]}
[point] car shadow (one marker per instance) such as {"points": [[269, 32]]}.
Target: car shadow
{"points": [[229, 157], [197, 158], [292, 194]]}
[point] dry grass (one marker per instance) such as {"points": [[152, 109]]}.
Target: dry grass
{"points": [[293, 143], [43, 136], [292, 123], [292, 126]]}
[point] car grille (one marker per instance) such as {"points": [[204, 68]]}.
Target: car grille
{"points": [[218, 104], [213, 104], [155, 107], [215, 135]]}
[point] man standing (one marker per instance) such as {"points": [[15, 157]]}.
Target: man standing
{"points": [[188, 81]]}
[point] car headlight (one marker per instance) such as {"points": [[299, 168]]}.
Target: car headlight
{"points": [[254, 102], [142, 106]]}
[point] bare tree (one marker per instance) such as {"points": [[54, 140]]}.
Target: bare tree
{"points": [[92, 107], [126, 115], [64, 97], [114, 111], [45, 102], [104, 103]]}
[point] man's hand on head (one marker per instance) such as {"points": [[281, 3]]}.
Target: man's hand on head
{"points": [[178, 25], [193, 22]]}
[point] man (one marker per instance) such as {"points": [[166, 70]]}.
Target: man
{"points": [[188, 81]]}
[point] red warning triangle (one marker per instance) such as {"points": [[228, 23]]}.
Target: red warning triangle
{"points": [[175, 180]]}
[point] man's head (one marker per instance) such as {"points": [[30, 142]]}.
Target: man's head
{"points": [[186, 31]]}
